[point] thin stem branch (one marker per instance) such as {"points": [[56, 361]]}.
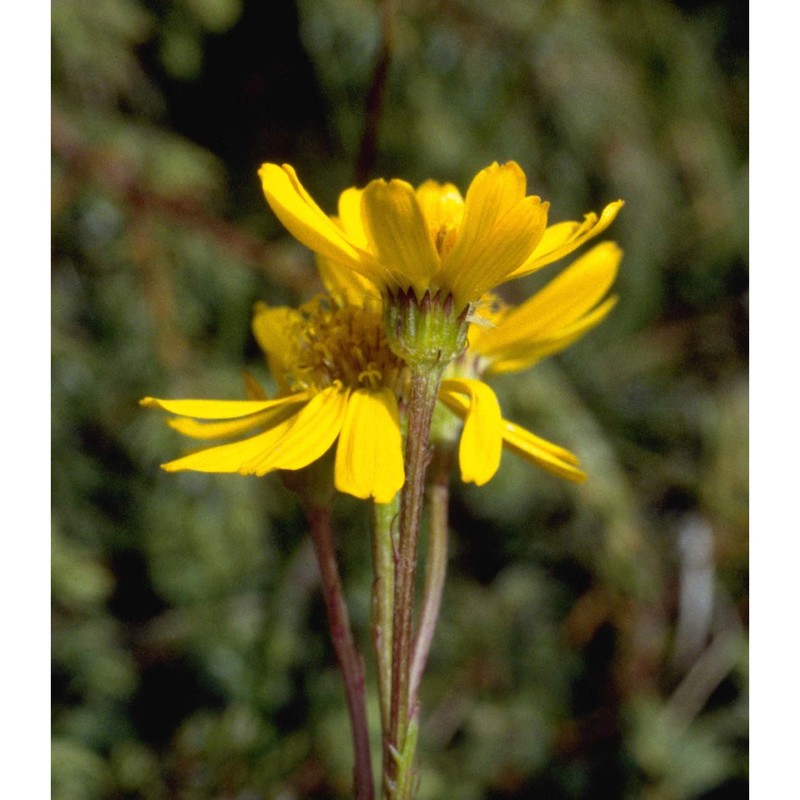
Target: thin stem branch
{"points": [[436, 562], [350, 661]]}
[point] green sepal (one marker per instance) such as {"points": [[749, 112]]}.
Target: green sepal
{"points": [[426, 332]]}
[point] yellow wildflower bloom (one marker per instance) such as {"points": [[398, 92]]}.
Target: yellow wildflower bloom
{"points": [[339, 382], [431, 239], [485, 432], [510, 339]]}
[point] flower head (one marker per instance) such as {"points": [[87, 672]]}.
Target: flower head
{"points": [[510, 339], [431, 240], [339, 382]]}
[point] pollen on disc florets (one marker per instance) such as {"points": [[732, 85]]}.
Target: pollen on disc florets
{"points": [[337, 342]]}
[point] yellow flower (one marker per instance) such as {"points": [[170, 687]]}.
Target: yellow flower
{"points": [[510, 339], [485, 432], [431, 239], [339, 382]]}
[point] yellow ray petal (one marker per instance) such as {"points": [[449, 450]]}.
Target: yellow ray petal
{"points": [[482, 438], [523, 355], [550, 457], [441, 204], [234, 456], [341, 279], [494, 191], [498, 253], [291, 444], [336, 275], [233, 427], [220, 409], [564, 237], [555, 309], [574, 292], [350, 216], [399, 235], [307, 222], [271, 325], [307, 436], [274, 328], [369, 455]]}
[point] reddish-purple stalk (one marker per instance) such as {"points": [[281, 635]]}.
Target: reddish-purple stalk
{"points": [[351, 663]]}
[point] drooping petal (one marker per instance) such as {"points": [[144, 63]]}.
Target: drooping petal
{"points": [[234, 427], [550, 457], [482, 438], [399, 235], [500, 251], [308, 435], [564, 237], [307, 222], [220, 409], [290, 444], [369, 455], [553, 313], [232, 457]]}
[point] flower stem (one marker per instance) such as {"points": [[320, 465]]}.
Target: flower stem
{"points": [[384, 517], [436, 562], [350, 661], [424, 388]]}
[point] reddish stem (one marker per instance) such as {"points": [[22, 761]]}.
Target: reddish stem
{"points": [[350, 661]]}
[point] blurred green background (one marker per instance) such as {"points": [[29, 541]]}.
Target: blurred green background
{"points": [[593, 639]]}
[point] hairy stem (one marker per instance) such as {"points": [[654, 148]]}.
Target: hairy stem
{"points": [[422, 399]]}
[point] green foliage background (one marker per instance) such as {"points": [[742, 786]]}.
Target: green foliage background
{"points": [[593, 639]]}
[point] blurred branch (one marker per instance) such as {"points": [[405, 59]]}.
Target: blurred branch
{"points": [[368, 148], [709, 670]]}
